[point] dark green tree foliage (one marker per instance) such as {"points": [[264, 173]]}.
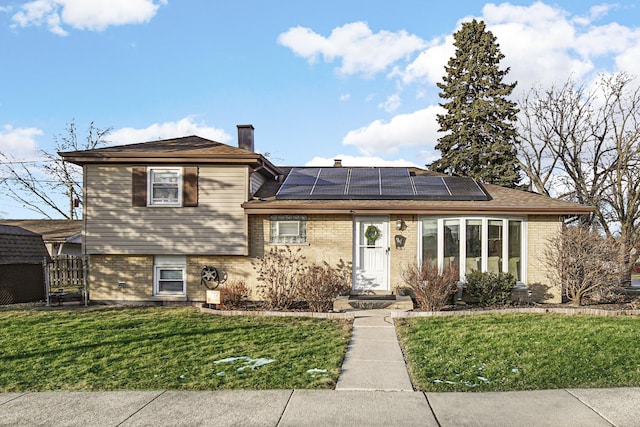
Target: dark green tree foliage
{"points": [[479, 122]]}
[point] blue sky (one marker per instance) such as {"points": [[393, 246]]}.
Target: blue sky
{"points": [[319, 80]]}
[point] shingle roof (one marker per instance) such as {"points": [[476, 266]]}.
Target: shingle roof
{"points": [[502, 200], [20, 246], [57, 230], [188, 149]]}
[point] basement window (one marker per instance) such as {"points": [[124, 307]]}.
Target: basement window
{"points": [[169, 275]]}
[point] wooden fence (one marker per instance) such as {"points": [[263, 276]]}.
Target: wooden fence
{"points": [[66, 275]]}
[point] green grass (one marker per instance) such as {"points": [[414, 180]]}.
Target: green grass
{"points": [[161, 348], [521, 352]]}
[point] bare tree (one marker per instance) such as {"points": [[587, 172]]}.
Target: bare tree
{"points": [[583, 145], [37, 187], [583, 264]]}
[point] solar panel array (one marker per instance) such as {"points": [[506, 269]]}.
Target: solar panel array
{"points": [[375, 183]]}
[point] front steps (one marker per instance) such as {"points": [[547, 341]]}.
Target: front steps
{"points": [[372, 302]]}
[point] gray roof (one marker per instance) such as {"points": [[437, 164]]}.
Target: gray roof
{"points": [[20, 246]]}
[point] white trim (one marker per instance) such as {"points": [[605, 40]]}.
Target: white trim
{"points": [[385, 245], [462, 222], [167, 262], [150, 200]]}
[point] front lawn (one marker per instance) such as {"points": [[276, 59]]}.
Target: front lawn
{"points": [[520, 352], [161, 348]]}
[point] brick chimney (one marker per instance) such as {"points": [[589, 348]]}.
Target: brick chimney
{"points": [[245, 137], [337, 163]]}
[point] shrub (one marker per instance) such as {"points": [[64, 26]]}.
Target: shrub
{"points": [[281, 272], [584, 264], [234, 295], [323, 283], [431, 289], [490, 288]]}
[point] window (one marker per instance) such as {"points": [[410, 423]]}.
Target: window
{"points": [[170, 275], [474, 243], [288, 229], [165, 186]]}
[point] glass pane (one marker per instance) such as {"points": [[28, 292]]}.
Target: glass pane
{"points": [[474, 245], [171, 274], [515, 248], [171, 286], [494, 262], [452, 244], [289, 228], [163, 193], [429, 241], [165, 177]]}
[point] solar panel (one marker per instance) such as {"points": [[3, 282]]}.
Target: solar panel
{"points": [[431, 186], [462, 188], [302, 176], [375, 183]]}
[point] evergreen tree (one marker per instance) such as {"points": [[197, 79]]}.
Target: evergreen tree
{"points": [[480, 119]]}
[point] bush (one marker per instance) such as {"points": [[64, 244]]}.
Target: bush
{"points": [[490, 288], [584, 265], [323, 283], [234, 295], [281, 272], [431, 289]]}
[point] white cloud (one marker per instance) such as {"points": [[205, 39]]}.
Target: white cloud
{"points": [[542, 44], [391, 104], [94, 15], [361, 51], [417, 129], [19, 143], [345, 97], [353, 161], [166, 130]]}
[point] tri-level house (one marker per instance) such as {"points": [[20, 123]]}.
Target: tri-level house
{"points": [[156, 213]]}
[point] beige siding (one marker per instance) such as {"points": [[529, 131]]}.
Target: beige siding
{"points": [[217, 226], [256, 182]]}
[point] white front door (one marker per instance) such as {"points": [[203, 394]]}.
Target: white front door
{"points": [[371, 254]]}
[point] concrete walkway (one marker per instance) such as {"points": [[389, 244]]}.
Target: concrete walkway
{"points": [[374, 360]]}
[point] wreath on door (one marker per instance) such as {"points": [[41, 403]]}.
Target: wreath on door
{"points": [[372, 233]]}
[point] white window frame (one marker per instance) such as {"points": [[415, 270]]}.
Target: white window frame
{"points": [[150, 184], [485, 242], [276, 238], [173, 263]]}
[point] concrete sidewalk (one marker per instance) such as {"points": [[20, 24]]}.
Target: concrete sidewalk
{"points": [[278, 408]]}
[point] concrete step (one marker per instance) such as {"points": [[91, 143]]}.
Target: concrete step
{"points": [[372, 302]]}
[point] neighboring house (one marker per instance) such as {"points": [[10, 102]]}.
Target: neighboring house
{"points": [[22, 257], [156, 213], [61, 236]]}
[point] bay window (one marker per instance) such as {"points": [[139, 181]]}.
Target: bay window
{"points": [[491, 244]]}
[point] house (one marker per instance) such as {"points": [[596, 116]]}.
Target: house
{"points": [[61, 236], [22, 257], [157, 212]]}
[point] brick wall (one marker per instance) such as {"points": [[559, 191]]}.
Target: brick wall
{"points": [[107, 271], [402, 257], [329, 238], [539, 230]]}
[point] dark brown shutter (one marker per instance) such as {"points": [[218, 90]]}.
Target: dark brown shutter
{"points": [[139, 186], [190, 187]]}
